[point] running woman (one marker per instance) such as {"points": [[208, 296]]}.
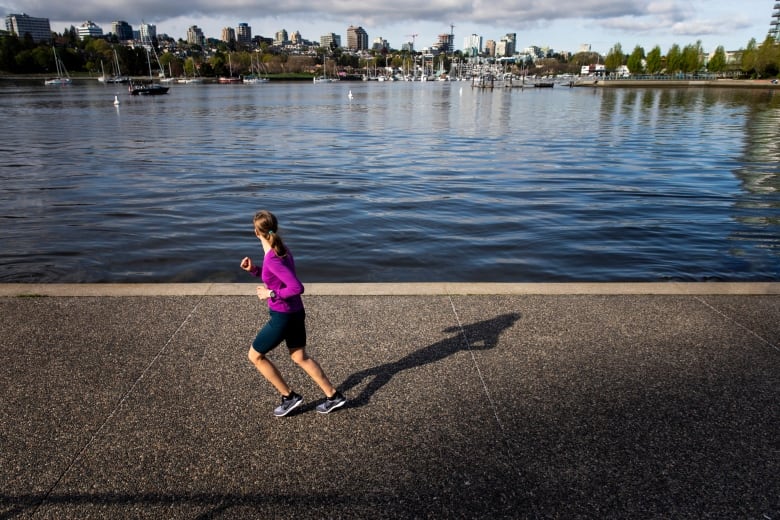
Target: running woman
{"points": [[282, 290]]}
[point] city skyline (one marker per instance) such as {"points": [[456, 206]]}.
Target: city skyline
{"points": [[599, 23]]}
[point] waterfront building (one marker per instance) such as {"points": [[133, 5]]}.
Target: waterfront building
{"points": [[244, 34], [357, 38], [774, 25], [330, 41], [89, 30], [228, 35], [195, 36], [472, 46], [39, 29], [122, 30]]}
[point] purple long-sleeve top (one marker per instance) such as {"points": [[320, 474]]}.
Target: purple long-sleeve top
{"points": [[278, 275]]}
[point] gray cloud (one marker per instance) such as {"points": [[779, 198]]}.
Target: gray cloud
{"points": [[486, 12], [701, 27], [649, 19]]}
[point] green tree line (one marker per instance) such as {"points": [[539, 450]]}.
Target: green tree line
{"points": [[755, 61]]}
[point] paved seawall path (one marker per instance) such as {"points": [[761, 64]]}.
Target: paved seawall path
{"points": [[465, 401]]}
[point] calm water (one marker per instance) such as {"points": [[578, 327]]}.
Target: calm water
{"points": [[405, 182]]}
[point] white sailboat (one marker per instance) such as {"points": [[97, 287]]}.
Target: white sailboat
{"points": [[117, 76], [324, 78], [231, 78], [254, 77], [195, 78], [169, 78], [102, 78], [62, 74]]}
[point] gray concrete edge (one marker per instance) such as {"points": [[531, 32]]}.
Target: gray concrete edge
{"points": [[394, 289]]}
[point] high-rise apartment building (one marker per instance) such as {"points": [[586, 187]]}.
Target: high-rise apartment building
{"points": [[507, 46], [228, 35], [39, 29], [490, 48], [330, 41], [774, 25], [501, 49], [195, 36], [244, 34], [472, 45], [357, 38], [281, 38], [122, 30]]}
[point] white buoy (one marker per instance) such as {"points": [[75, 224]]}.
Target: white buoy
{"points": [[116, 100], [350, 94]]}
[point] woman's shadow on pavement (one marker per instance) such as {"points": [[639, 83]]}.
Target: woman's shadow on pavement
{"points": [[482, 335]]}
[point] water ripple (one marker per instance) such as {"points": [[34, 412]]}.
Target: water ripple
{"points": [[406, 182]]}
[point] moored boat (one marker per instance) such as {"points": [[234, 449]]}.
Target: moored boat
{"points": [[62, 73], [57, 81], [117, 77], [254, 79], [147, 89], [229, 79]]}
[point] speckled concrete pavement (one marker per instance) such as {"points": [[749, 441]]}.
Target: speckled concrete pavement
{"points": [[489, 401]]}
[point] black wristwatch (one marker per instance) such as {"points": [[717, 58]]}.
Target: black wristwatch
{"points": [[272, 294]]}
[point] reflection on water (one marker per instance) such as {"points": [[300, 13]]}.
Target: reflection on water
{"points": [[758, 204], [760, 173], [403, 182]]}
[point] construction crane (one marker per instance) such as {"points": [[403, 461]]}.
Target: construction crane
{"points": [[412, 36]]}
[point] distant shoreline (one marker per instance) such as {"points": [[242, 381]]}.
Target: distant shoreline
{"points": [[579, 82], [76, 78], [670, 83]]}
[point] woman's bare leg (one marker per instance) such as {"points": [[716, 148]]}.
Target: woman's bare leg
{"points": [[269, 371], [313, 369]]}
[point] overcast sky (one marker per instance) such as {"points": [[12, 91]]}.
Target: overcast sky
{"points": [[563, 25]]}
